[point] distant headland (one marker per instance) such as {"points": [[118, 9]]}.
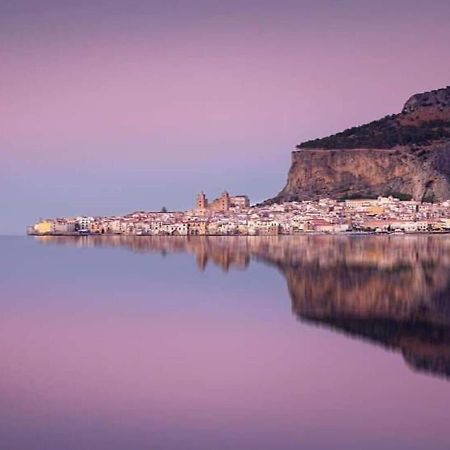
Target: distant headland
{"points": [[389, 176]]}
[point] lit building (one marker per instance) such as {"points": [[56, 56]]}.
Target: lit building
{"points": [[202, 202], [239, 201], [222, 203], [43, 227], [199, 228], [84, 223]]}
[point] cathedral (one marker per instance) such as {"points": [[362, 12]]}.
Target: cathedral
{"points": [[222, 203]]}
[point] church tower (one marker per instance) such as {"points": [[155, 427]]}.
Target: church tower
{"points": [[224, 201], [202, 201]]}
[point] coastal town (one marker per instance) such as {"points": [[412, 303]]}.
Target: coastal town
{"points": [[234, 215]]}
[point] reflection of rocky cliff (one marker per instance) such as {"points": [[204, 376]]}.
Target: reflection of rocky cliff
{"points": [[397, 294], [391, 290]]}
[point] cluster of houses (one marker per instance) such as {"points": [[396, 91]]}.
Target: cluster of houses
{"points": [[228, 215]]}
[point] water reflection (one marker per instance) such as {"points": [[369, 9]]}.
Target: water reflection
{"points": [[391, 290]]}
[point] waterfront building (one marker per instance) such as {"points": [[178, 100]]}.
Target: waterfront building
{"points": [[63, 227], [239, 201], [232, 215], [197, 228], [84, 223], [43, 227]]}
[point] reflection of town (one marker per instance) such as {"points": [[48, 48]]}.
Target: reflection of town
{"points": [[392, 290]]}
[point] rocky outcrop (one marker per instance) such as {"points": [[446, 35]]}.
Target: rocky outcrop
{"points": [[405, 155], [429, 103], [421, 174]]}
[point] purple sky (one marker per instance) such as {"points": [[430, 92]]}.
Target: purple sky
{"points": [[111, 106]]}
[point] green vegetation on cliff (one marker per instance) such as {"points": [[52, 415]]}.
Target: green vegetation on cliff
{"points": [[383, 133]]}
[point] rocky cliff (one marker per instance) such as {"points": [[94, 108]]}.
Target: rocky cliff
{"points": [[406, 155]]}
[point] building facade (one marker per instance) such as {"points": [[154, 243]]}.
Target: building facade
{"points": [[222, 203]]}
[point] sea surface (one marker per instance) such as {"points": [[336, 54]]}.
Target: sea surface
{"points": [[211, 343]]}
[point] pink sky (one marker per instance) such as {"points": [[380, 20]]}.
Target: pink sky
{"points": [[154, 89]]}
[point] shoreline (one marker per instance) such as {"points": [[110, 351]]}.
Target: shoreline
{"points": [[310, 233]]}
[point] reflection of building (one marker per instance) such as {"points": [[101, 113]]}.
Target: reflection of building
{"points": [[222, 203], [391, 290]]}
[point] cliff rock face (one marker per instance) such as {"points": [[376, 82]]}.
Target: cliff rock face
{"points": [[406, 155]]}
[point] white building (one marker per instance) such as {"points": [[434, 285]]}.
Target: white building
{"points": [[84, 223]]}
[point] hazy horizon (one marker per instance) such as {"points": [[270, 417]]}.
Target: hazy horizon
{"points": [[110, 107]]}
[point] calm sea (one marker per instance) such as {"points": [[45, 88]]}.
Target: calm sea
{"points": [[306, 342]]}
